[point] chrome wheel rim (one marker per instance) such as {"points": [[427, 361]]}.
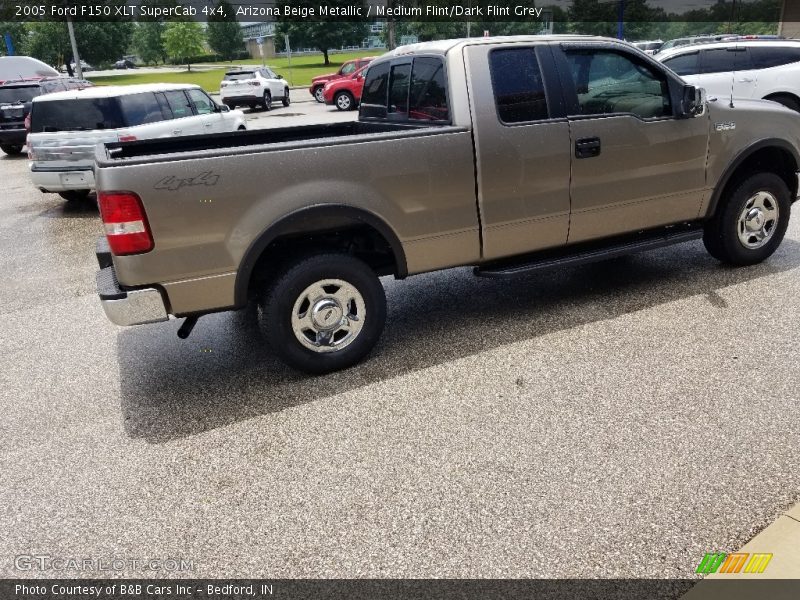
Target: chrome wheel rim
{"points": [[343, 101], [319, 95], [328, 315], [758, 220]]}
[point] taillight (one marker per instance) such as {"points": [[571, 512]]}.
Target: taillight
{"points": [[125, 223], [28, 122], [127, 138], [223, 84]]}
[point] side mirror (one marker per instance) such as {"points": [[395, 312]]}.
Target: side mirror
{"points": [[693, 102], [223, 108], [279, 76]]}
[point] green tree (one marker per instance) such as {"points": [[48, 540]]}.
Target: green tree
{"points": [[98, 42], [183, 40], [148, 42], [224, 33], [322, 35], [19, 36]]}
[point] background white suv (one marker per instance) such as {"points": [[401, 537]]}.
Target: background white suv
{"points": [[764, 69], [253, 87], [66, 127]]}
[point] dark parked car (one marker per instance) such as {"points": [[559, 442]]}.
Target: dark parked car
{"points": [[15, 105], [124, 64]]}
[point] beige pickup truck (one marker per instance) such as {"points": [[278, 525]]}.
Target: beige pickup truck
{"points": [[507, 154]]}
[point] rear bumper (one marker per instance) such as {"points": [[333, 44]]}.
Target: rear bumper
{"points": [[255, 97], [13, 137], [55, 179], [126, 307]]}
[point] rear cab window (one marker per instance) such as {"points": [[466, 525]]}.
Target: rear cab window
{"points": [[407, 90]]}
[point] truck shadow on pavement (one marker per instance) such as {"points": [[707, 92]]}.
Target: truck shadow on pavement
{"points": [[223, 373]]}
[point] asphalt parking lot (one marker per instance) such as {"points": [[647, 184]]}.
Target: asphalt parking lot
{"points": [[619, 419]]}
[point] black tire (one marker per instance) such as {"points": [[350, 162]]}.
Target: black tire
{"points": [[344, 101], [252, 106], [241, 128], [318, 96], [288, 291], [787, 100], [722, 232], [11, 149], [266, 103], [74, 195], [286, 100]]}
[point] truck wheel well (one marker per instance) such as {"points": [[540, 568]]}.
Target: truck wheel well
{"points": [[347, 235], [771, 159], [788, 99]]}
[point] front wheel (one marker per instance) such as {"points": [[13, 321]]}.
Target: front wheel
{"points": [[319, 94], [751, 223], [286, 100], [11, 149], [323, 313], [267, 101], [344, 101]]}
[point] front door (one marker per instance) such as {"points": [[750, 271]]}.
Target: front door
{"points": [[635, 165]]}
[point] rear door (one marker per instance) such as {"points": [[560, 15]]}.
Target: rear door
{"points": [[635, 165], [206, 112], [522, 148]]}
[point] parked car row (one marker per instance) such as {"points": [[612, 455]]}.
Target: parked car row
{"points": [[16, 98], [747, 69]]}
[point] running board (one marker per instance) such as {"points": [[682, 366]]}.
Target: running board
{"points": [[581, 257]]}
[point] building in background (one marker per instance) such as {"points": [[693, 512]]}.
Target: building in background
{"points": [[790, 19]]}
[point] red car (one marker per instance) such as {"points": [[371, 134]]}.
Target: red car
{"points": [[345, 93], [348, 68]]}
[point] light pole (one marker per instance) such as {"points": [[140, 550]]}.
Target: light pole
{"points": [[75, 56]]}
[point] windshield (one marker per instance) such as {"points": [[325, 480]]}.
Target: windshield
{"points": [[10, 95], [84, 114], [238, 76]]}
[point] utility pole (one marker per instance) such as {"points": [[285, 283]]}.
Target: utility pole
{"points": [[75, 56]]}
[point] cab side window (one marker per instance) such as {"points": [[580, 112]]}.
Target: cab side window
{"points": [[609, 82], [428, 91], [518, 85], [373, 97]]}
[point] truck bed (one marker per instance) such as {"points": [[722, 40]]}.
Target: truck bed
{"points": [[162, 149]]}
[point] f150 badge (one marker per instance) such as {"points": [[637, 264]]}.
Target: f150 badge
{"points": [[725, 126], [172, 183]]}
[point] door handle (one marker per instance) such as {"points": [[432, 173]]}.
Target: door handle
{"points": [[176, 131], [587, 147], [746, 80]]}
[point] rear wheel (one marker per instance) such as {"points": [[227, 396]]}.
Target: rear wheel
{"points": [[323, 312], [266, 102], [74, 195], [750, 225], [286, 100], [11, 149], [344, 101]]}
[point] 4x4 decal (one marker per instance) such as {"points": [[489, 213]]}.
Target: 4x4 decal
{"points": [[173, 183]]}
